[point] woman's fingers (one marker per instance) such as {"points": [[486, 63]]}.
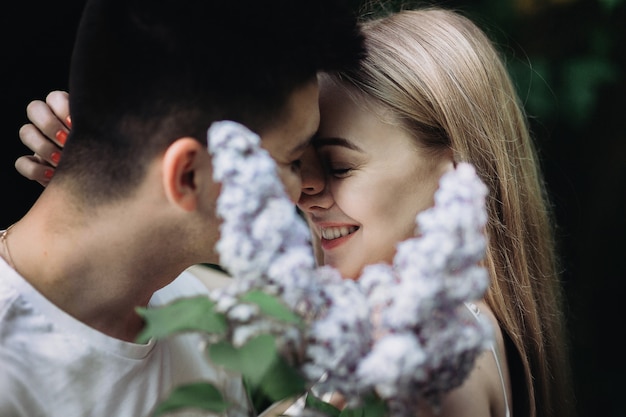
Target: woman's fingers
{"points": [[59, 102], [34, 168], [50, 117], [45, 136], [46, 150]]}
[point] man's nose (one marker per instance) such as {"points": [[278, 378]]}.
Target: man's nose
{"points": [[314, 193], [313, 180]]}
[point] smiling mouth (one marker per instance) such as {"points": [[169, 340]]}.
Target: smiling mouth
{"points": [[331, 233]]}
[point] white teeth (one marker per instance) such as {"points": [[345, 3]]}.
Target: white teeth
{"points": [[330, 233]]}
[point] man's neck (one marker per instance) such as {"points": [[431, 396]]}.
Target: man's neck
{"points": [[96, 268]]}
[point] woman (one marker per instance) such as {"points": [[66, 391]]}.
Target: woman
{"points": [[433, 91]]}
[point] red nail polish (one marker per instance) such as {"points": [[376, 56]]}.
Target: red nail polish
{"points": [[61, 136], [48, 173], [56, 157], [68, 121]]}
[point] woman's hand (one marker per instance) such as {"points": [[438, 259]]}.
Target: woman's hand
{"points": [[45, 135]]}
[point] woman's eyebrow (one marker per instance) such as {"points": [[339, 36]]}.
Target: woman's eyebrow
{"points": [[319, 142]]}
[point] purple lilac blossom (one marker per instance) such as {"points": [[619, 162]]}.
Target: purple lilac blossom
{"points": [[401, 330]]}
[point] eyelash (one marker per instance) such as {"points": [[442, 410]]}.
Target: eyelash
{"points": [[340, 172], [336, 171]]}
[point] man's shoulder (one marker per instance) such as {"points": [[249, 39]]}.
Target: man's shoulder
{"points": [[184, 285], [194, 281], [11, 287], [211, 277]]}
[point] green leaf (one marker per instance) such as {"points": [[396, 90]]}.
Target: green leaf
{"points": [[317, 404], [372, 406], [271, 306], [352, 412], [225, 354], [183, 315], [261, 366], [282, 381], [252, 360], [199, 395]]}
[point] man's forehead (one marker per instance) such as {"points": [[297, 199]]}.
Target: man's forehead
{"points": [[294, 132], [286, 144], [302, 144]]}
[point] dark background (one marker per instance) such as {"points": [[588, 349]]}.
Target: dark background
{"points": [[568, 59]]}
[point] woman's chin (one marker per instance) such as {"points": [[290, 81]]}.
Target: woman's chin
{"points": [[348, 272]]}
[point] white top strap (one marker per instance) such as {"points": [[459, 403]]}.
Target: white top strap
{"points": [[473, 308]]}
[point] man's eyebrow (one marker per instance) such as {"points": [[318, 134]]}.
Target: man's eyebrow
{"points": [[301, 146], [321, 142]]}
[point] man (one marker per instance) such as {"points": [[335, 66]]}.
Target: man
{"points": [[132, 202]]}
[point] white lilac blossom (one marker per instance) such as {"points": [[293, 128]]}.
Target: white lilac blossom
{"points": [[432, 276], [338, 339], [401, 331]]}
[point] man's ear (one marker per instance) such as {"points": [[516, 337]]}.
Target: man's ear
{"points": [[182, 162]]}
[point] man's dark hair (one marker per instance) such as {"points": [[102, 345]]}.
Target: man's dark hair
{"points": [[145, 72]]}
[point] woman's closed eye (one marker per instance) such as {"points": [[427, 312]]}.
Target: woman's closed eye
{"points": [[341, 172], [339, 160], [337, 170]]}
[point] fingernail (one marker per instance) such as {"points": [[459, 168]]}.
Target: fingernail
{"points": [[48, 173], [68, 121], [56, 157], [61, 136]]}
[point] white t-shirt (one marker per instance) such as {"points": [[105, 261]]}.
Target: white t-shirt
{"points": [[53, 365]]}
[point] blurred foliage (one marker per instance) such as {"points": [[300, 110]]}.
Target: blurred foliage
{"points": [[560, 53]]}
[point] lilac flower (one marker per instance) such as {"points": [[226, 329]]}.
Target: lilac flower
{"points": [[401, 331], [338, 339]]}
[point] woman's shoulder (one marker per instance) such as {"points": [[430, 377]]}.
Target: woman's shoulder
{"points": [[486, 391]]}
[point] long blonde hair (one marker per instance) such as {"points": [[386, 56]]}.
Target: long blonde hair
{"points": [[446, 82]]}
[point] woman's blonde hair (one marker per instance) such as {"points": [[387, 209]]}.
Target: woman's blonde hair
{"points": [[446, 82]]}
